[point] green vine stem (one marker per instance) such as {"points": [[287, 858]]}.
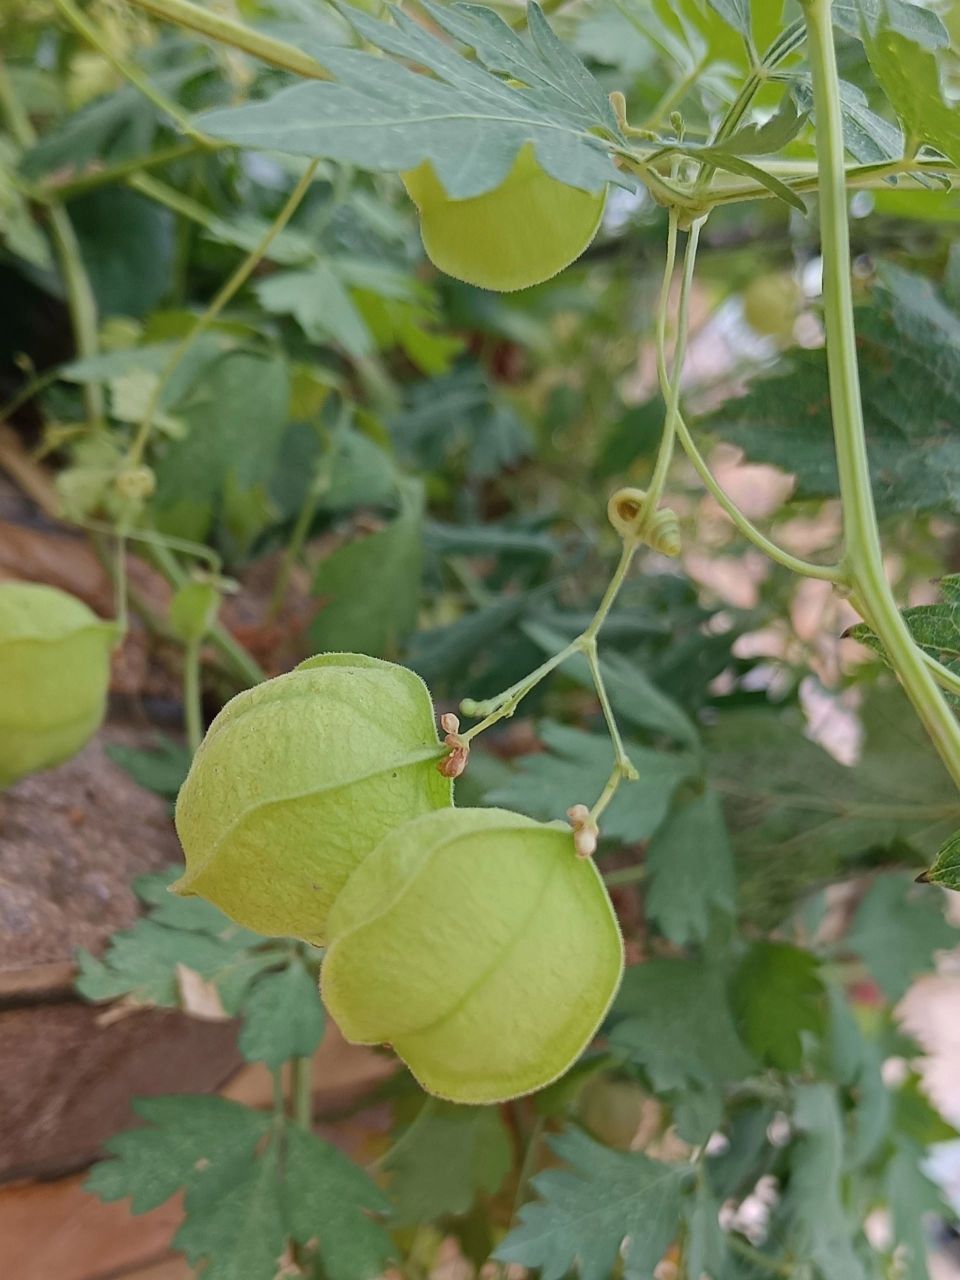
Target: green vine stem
{"points": [[84, 27], [81, 301], [224, 30], [863, 558], [229, 289]]}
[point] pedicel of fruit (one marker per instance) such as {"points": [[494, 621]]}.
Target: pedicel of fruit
{"points": [[54, 676], [297, 780], [517, 235], [478, 945]]}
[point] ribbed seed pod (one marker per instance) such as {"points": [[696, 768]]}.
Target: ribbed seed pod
{"points": [[480, 947], [54, 676], [295, 783], [517, 235]]}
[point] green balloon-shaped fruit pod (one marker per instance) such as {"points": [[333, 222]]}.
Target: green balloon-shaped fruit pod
{"points": [[478, 945], [517, 235], [297, 780], [54, 677]]}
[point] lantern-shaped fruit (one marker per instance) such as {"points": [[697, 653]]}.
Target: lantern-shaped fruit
{"points": [[54, 676], [517, 235], [297, 780], [478, 945]]}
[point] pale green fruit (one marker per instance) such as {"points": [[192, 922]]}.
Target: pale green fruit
{"points": [[771, 304], [478, 945], [520, 234], [297, 780], [54, 676]]}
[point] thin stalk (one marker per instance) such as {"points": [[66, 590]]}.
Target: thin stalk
{"points": [[55, 189], [239, 661], [863, 557], [81, 302], [192, 696], [675, 95], [301, 1092], [232, 286], [224, 30], [142, 83], [671, 391], [154, 189]]}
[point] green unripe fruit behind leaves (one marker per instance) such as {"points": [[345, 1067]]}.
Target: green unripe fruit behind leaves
{"points": [[297, 780], [54, 676], [520, 234], [478, 945], [771, 304]]}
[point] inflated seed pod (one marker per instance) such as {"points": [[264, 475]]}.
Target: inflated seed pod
{"points": [[517, 235], [297, 780], [478, 945], [54, 675]]}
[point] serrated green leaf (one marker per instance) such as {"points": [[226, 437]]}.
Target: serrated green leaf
{"points": [[329, 1206], [545, 786], [389, 564], [690, 870], [734, 12], [797, 817], [910, 76], [777, 995], [187, 1140], [946, 865], [380, 115], [867, 136], [607, 1204], [897, 929], [911, 20], [674, 1020], [815, 1198], [446, 1155], [283, 1017], [909, 354], [236, 1230], [320, 303]]}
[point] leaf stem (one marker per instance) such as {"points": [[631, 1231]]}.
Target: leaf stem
{"points": [[192, 697], [301, 1091], [224, 30], [863, 557]]}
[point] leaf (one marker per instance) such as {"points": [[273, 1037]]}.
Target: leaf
{"points": [[706, 1250], [380, 115], [283, 1017], [161, 768], [329, 1206], [236, 1230], [910, 76], [910, 20], [242, 1203], [187, 1141], [896, 931], [675, 1021], [389, 565], [128, 246], [545, 786], [777, 995], [18, 231], [112, 128], [946, 865], [606, 1204], [771, 135], [797, 817], [320, 303], [867, 136], [690, 870], [815, 1196], [909, 349], [734, 12], [912, 1197], [235, 416], [446, 1155]]}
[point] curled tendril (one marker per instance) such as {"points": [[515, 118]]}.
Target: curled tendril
{"points": [[628, 512]]}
